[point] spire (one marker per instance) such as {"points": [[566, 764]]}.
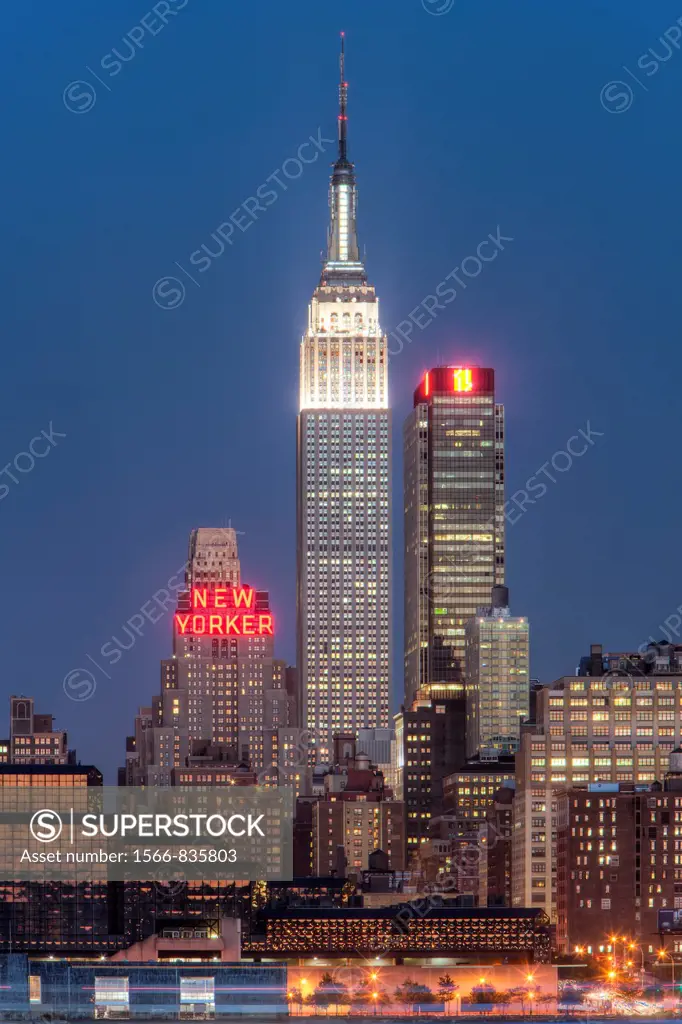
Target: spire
{"points": [[343, 103], [343, 254]]}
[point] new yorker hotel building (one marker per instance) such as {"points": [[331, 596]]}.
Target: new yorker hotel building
{"points": [[344, 486], [222, 692]]}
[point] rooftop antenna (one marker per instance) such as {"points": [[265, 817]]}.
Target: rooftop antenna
{"points": [[343, 101]]}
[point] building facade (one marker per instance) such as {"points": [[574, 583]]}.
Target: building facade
{"points": [[380, 747], [469, 792], [430, 746], [438, 929], [352, 816], [619, 867], [448, 861], [496, 863], [59, 990], [620, 727], [497, 676], [344, 486], [453, 447], [33, 738], [222, 689], [463, 836], [359, 828], [74, 917]]}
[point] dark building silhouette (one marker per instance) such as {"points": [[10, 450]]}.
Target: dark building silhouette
{"points": [[498, 848], [430, 739]]}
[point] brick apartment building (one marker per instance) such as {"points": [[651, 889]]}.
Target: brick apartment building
{"points": [[619, 863]]}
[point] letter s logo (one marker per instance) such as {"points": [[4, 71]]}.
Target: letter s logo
{"points": [[46, 826]]}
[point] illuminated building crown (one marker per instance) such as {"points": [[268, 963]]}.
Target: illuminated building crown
{"points": [[344, 358]]}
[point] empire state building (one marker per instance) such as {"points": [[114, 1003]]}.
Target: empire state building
{"points": [[344, 484]]}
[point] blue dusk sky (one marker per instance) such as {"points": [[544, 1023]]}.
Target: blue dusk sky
{"points": [[130, 134]]}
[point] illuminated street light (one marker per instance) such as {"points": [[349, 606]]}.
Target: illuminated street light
{"points": [[662, 955], [615, 939], [642, 971]]}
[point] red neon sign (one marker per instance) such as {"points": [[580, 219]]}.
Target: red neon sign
{"points": [[462, 379], [222, 597], [457, 380], [224, 625], [223, 611]]}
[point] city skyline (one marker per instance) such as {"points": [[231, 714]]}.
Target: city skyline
{"points": [[553, 321], [337, 656]]}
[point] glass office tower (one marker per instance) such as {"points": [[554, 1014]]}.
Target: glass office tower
{"points": [[454, 520]]}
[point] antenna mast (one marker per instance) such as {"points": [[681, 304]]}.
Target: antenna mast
{"points": [[343, 100]]}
